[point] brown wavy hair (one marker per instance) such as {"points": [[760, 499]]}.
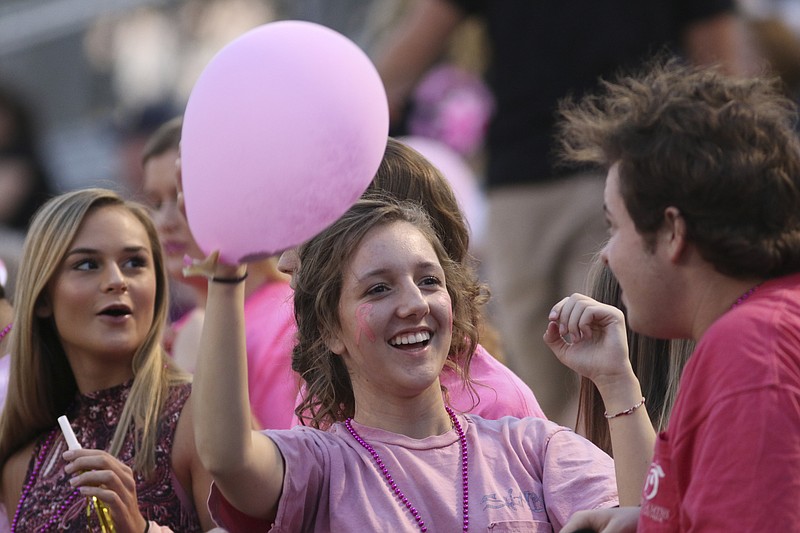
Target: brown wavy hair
{"points": [[406, 175], [329, 396]]}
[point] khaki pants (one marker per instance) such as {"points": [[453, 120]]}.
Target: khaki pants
{"points": [[540, 242]]}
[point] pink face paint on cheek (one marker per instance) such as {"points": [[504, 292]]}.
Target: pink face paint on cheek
{"points": [[362, 314], [444, 301]]}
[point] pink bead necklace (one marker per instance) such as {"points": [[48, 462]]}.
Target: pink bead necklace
{"points": [[5, 331], [32, 480], [462, 441], [741, 298]]}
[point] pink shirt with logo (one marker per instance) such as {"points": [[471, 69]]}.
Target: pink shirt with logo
{"points": [[524, 475], [730, 458]]}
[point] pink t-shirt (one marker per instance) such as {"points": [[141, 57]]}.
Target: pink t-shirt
{"points": [[500, 392], [270, 332], [730, 458], [524, 475]]}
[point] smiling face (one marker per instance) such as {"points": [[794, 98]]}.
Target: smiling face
{"points": [[395, 314], [102, 297]]}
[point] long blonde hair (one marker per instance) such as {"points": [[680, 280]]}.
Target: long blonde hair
{"points": [[42, 385]]}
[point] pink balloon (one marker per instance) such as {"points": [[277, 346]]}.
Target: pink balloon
{"points": [[283, 131]]}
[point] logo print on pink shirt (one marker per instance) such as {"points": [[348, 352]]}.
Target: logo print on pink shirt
{"points": [[651, 484]]}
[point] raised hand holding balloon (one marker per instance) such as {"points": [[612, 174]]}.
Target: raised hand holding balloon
{"points": [[283, 131]]}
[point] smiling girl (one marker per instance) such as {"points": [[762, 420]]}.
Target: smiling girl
{"points": [[379, 307]]}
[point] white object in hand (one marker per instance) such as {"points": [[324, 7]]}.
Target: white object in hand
{"points": [[69, 435]]}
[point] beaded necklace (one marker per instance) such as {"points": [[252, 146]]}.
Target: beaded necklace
{"points": [[32, 479], [462, 441], [745, 296], [5, 331]]}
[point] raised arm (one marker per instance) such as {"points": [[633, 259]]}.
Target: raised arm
{"points": [[413, 46], [590, 338], [245, 465]]}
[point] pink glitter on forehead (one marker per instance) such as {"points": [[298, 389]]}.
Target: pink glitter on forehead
{"points": [[362, 314]]}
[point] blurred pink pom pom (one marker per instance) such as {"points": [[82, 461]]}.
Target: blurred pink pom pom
{"points": [[453, 106]]}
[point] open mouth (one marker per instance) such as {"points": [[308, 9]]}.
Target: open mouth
{"points": [[116, 311], [412, 340]]}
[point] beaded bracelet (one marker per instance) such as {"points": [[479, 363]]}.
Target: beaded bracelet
{"points": [[231, 281], [625, 412]]}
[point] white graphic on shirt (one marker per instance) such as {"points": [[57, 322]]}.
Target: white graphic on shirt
{"points": [[653, 477]]}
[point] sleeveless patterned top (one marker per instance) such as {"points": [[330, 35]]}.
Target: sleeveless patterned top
{"points": [[53, 505]]}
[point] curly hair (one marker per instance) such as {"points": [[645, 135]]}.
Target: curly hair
{"points": [[405, 174], [323, 259], [722, 150]]}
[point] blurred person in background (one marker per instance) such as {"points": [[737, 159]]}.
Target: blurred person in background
{"points": [[24, 182], [273, 386]]}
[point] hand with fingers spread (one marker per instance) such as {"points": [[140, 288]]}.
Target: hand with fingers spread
{"points": [[590, 338], [99, 474]]}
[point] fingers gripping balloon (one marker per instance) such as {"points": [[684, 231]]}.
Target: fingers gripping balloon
{"points": [[283, 131]]}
